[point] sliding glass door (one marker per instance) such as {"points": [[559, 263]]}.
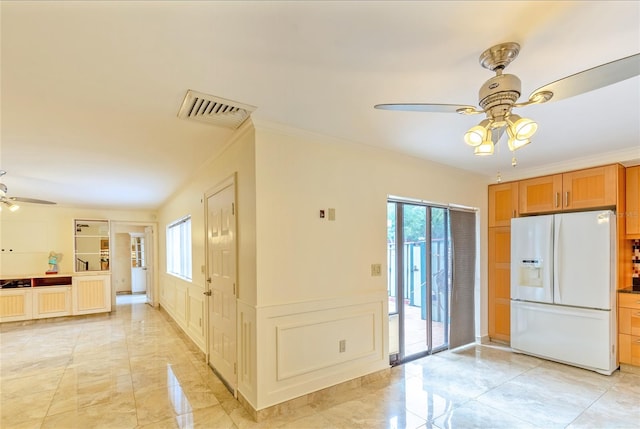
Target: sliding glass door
{"points": [[419, 261]]}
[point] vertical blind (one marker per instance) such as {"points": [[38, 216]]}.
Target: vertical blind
{"points": [[463, 236]]}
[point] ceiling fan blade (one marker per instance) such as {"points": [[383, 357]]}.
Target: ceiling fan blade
{"points": [[29, 200], [424, 107], [594, 78]]}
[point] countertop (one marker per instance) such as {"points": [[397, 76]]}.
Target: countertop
{"points": [[630, 289]]}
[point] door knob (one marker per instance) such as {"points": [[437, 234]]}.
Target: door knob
{"points": [[208, 293]]}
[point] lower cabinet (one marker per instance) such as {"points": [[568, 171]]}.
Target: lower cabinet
{"points": [[16, 305], [56, 296], [629, 328], [51, 301], [91, 294]]}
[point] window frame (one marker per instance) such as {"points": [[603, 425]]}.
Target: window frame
{"points": [[179, 252]]}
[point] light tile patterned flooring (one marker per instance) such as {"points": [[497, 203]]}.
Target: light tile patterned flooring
{"points": [[134, 370]]}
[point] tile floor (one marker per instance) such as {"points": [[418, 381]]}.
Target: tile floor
{"points": [[134, 370]]}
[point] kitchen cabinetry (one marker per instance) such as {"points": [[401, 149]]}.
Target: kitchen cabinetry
{"points": [[91, 294], [576, 190], [503, 206], [629, 328], [503, 203], [633, 202], [590, 188], [499, 277]]}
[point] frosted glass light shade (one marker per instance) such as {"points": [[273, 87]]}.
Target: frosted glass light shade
{"points": [[478, 134], [486, 148], [522, 128]]}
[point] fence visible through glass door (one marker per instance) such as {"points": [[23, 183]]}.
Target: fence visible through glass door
{"points": [[419, 276]]}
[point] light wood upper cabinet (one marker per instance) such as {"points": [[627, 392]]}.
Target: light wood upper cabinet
{"points": [[503, 203], [633, 201], [540, 195], [594, 187], [576, 190]]}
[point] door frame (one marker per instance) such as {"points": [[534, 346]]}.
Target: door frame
{"points": [[152, 288], [400, 204], [232, 385]]}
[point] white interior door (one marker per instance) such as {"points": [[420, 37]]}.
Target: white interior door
{"points": [[221, 278]]}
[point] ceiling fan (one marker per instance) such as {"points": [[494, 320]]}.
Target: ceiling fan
{"points": [[10, 202], [499, 95]]}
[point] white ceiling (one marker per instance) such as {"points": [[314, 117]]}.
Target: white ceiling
{"points": [[91, 90]]}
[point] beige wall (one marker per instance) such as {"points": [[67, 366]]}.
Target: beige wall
{"points": [[184, 300], [304, 282], [44, 229], [301, 256]]}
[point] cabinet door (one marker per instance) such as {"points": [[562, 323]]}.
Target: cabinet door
{"points": [[51, 301], [15, 304], [633, 200], [503, 203], [629, 321], [540, 195], [91, 294], [499, 275], [590, 188], [629, 349]]}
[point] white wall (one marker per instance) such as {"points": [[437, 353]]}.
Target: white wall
{"points": [[305, 283], [184, 300], [314, 285], [47, 228]]}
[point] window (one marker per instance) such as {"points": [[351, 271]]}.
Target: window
{"points": [[179, 248]]}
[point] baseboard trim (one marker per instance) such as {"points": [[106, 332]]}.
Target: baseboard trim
{"points": [[286, 407], [630, 369]]}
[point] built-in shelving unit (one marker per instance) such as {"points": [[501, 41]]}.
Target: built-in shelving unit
{"points": [[91, 241]]}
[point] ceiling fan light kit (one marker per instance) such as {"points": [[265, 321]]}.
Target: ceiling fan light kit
{"points": [[10, 202], [499, 95]]}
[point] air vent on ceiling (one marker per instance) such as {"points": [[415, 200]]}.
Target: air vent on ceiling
{"points": [[214, 110]]}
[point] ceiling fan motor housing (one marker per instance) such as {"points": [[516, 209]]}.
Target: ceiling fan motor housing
{"points": [[498, 95]]}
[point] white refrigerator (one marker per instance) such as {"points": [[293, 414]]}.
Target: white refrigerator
{"points": [[563, 271]]}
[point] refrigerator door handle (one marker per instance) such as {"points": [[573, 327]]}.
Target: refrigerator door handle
{"points": [[556, 258]]}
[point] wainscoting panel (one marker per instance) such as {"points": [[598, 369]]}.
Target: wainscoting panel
{"points": [[184, 301], [196, 317], [181, 303], [335, 341], [305, 347], [247, 355]]}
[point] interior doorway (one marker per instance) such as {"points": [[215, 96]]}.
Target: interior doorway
{"points": [[419, 282], [133, 256]]}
